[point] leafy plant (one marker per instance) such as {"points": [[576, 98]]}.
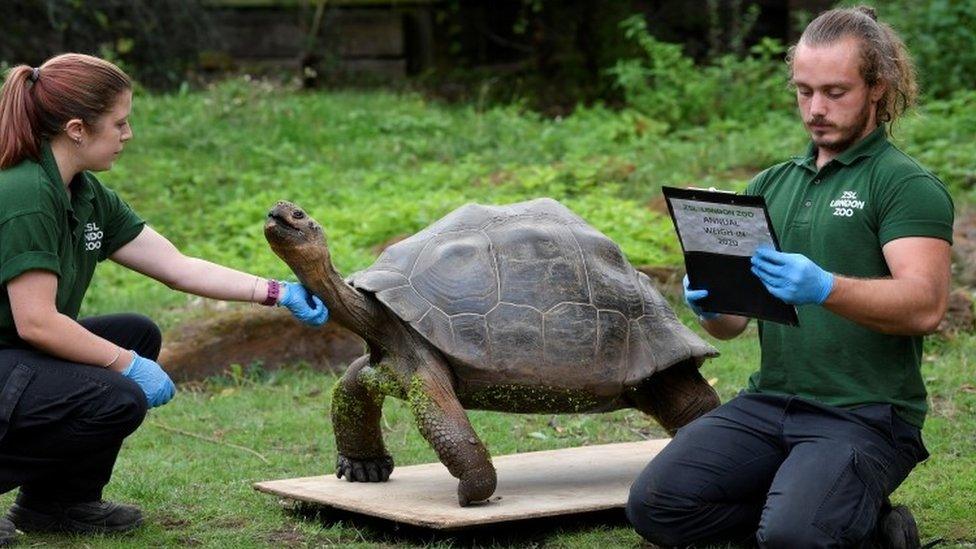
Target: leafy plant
{"points": [[728, 34], [941, 35], [156, 41], [668, 86]]}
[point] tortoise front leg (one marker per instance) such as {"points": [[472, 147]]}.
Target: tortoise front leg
{"points": [[357, 404], [675, 397], [444, 424]]}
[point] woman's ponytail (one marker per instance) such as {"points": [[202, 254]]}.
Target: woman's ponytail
{"points": [[18, 135]]}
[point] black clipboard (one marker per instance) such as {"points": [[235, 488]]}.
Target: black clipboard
{"points": [[732, 288]]}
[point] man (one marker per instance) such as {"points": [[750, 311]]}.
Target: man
{"points": [[831, 423]]}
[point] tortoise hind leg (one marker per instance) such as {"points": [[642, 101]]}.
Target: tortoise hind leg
{"points": [[444, 424], [357, 404], [675, 396]]}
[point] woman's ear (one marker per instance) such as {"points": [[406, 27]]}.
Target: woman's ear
{"points": [[75, 130]]}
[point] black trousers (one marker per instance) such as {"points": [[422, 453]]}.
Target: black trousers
{"points": [[62, 424], [779, 471]]}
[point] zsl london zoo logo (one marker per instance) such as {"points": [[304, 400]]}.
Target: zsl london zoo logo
{"points": [[93, 237], [846, 204]]}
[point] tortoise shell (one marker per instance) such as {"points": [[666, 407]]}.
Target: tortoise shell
{"points": [[529, 294]]}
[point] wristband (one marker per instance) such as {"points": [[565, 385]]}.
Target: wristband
{"points": [[117, 355], [274, 290]]}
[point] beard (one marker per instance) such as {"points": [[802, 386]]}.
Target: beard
{"points": [[849, 134]]}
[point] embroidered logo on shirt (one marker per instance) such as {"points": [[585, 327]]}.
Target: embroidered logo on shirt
{"points": [[93, 237], [846, 204]]}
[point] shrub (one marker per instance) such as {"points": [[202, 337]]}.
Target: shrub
{"points": [[665, 84], [155, 41], [941, 35]]}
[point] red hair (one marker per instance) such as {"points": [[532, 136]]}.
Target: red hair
{"points": [[35, 104]]}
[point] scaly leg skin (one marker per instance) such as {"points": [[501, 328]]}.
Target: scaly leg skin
{"points": [[675, 397], [356, 410], [444, 424]]}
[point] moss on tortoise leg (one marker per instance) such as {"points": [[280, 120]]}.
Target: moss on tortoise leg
{"points": [[420, 402], [356, 412], [380, 381], [346, 406]]}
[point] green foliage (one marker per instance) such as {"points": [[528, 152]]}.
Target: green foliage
{"points": [[667, 85], [728, 34], [941, 35], [942, 136], [155, 41], [197, 492], [550, 55]]}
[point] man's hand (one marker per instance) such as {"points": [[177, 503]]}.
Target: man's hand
{"points": [[303, 304], [151, 379], [692, 297], [792, 277]]}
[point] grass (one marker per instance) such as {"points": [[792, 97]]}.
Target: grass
{"points": [[198, 493], [205, 167]]}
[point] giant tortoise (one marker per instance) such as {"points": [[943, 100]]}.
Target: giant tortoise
{"points": [[518, 308]]}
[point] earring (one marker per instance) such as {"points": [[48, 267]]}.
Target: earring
{"points": [[78, 143]]}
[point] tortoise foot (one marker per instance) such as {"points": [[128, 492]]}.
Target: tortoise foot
{"points": [[476, 485], [364, 470]]}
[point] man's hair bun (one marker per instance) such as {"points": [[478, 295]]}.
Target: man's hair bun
{"points": [[869, 11]]}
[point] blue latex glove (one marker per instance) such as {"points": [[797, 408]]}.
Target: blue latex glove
{"points": [[692, 297], [794, 278], [303, 304], [151, 379]]}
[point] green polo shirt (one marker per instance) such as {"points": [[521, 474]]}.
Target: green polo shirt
{"points": [[840, 217], [42, 227]]}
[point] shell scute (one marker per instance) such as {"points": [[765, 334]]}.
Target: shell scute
{"points": [[471, 345], [533, 253], [572, 328], [611, 278], [456, 273], [516, 340], [438, 328], [408, 304], [381, 278], [398, 258], [612, 346]]}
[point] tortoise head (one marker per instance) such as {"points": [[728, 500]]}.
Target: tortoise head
{"points": [[293, 234]]}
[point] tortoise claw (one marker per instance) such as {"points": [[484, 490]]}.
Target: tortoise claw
{"points": [[364, 470]]}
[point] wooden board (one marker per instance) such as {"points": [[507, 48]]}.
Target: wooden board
{"points": [[530, 485]]}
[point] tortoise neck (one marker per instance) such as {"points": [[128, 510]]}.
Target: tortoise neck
{"points": [[347, 306]]}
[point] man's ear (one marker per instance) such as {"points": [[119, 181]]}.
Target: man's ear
{"points": [[75, 130], [877, 91]]}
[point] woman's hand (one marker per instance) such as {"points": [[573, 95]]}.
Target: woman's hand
{"points": [[151, 378], [303, 304]]}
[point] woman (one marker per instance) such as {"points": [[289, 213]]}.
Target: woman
{"points": [[71, 390]]}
